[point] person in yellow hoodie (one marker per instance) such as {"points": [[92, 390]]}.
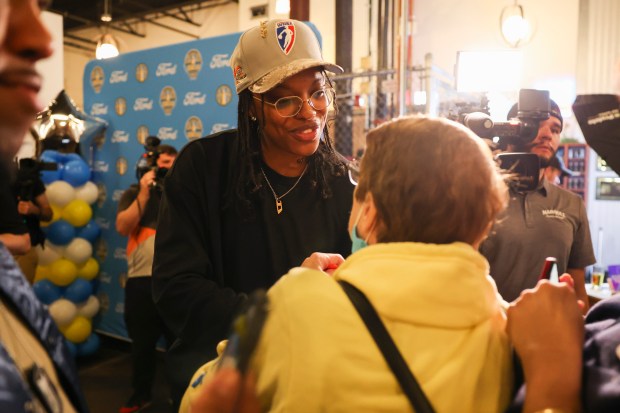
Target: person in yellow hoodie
{"points": [[428, 191]]}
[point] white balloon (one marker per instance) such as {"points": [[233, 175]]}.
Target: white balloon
{"points": [[87, 192], [63, 312], [79, 251], [60, 193], [90, 308], [48, 253]]}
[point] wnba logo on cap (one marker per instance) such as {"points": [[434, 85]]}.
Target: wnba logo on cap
{"points": [[285, 33], [97, 78], [142, 72], [193, 128], [193, 63], [168, 99]]}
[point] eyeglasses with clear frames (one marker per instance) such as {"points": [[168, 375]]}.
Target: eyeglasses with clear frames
{"points": [[289, 106], [353, 168]]}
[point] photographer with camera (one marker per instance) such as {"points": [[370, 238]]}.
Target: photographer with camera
{"points": [[137, 219], [547, 221], [32, 207]]}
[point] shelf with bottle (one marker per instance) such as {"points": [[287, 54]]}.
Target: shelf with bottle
{"points": [[575, 157]]}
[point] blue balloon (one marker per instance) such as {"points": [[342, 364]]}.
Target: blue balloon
{"points": [[71, 347], [51, 155], [89, 232], [76, 172], [78, 291], [71, 157], [60, 232], [88, 347], [46, 291]]}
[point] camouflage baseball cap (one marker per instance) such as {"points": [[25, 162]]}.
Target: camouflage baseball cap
{"points": [[275, 50]]}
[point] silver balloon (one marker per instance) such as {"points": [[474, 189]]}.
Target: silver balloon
{"points": [[62, 126]]}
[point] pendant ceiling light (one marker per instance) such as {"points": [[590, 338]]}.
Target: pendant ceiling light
{"points": [[515, 28], [107, 46]]}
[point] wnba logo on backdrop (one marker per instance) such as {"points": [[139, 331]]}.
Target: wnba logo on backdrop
{"points": [[142, 133], [223, 95], [142, 72], [168, 99], [118, 76], [96, 78], [121, 166], [192, 63], [101, 249], [104, 302], [193, 128], [120, 106], [102, 194]]}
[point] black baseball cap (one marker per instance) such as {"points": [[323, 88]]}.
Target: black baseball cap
{"points": [[553, 111]]}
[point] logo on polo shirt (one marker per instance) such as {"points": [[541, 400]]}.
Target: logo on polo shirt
{"points": [[553, 213]]}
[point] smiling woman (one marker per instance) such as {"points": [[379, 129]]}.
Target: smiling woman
{"points": [[241, 207]]}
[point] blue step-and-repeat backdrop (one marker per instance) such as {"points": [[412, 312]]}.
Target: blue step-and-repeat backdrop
{"points": [[177, 93]]}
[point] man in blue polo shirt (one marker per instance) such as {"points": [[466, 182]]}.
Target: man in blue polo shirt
{"points": [[546, 222]]}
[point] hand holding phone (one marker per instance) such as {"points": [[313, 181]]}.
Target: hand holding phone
{"points": [[550, 270], [245, 332]]}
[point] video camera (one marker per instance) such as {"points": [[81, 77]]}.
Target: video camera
{"points": [[148, 162], [28, 173], [534, 106]]}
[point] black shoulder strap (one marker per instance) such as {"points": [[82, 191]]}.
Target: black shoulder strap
{"points": [[390, 352]]}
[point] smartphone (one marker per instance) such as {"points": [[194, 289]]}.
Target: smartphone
{"points": [[550, 270], [245, 332]]}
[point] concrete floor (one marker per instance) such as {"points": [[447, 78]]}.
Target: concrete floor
{"points": [[105, 378]]}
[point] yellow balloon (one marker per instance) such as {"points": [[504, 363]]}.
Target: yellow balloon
{"points": [[78, 330], [42, 272], [62, 272], [89, 269], [56, 213], [77, 213]]}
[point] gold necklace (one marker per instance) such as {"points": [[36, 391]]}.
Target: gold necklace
{"points": [[277, 197]]}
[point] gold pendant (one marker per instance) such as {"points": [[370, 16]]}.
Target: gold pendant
{"points": [[278, 206]]}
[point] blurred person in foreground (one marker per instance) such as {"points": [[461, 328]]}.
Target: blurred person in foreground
{"points": [[38, 373], [243, 206], [546, 222], [415, 230]]}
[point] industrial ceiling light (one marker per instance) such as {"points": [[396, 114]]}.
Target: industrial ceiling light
{"points": [[515, 28], [107, 46]]}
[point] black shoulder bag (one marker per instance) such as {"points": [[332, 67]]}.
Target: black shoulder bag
{"points": [[390, 352]]}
